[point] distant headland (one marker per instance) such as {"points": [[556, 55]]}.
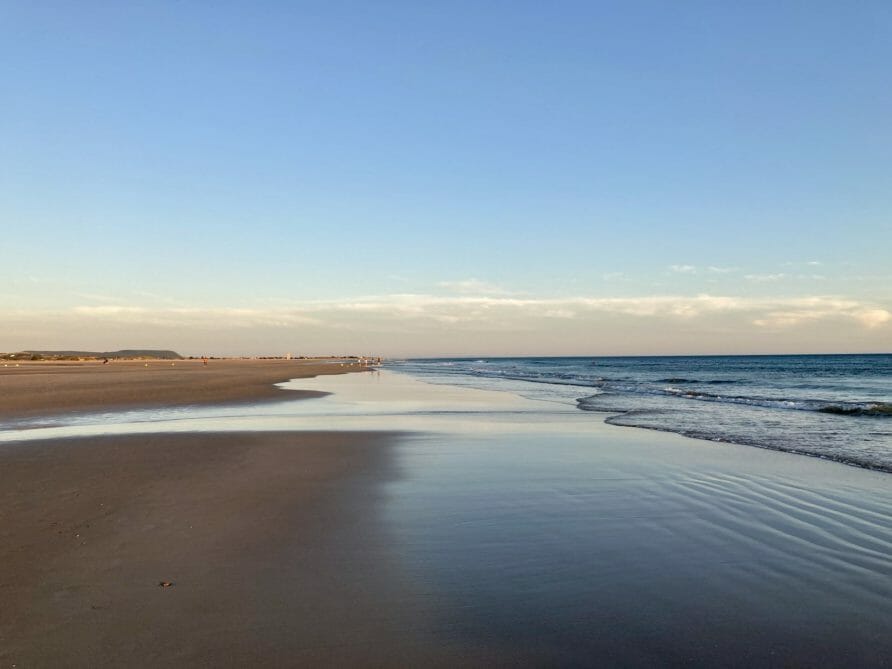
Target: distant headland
{"points": [[127, 354]]}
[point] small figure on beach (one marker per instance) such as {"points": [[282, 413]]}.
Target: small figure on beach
{"points": [[204, 361], [105, 361]]}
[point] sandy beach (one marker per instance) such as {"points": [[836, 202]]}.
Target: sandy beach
{"points": [[43, 388], [239, 524], [268, 542], [389, 522]]}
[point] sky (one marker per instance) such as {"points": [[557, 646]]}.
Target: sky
{"points": [[446, 178]]}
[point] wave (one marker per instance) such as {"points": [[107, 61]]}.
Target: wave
{"points": [[678, 387], [862, 460], [870, 409], [628, 386], [734, 431], [711, 382]]}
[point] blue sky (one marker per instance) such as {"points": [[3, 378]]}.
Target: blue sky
{"points": [[299, 173]]}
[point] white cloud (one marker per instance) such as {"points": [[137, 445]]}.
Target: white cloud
{"points": [[109, 309], [765, 278], [155, 297], [873, 318], [721, 270], [796, 312], [559, 313], [782, 276], [95, 297], [431, 324], [410, 307], [683, 269], [475, 286], [196, 317], [800, 263]]}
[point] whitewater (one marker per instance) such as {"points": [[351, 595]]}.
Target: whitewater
{"points": [[836, 407]]}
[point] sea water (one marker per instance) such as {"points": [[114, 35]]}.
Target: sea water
{"points": [[837, 407]]}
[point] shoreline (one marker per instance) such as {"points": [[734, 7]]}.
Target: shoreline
{"points": [[41, 389], [856, 464], [835, 410]]}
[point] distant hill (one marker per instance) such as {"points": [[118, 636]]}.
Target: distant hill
{"points": [[112, 355]]}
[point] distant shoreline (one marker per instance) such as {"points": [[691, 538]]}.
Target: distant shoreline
{"points": [[31, 389]]}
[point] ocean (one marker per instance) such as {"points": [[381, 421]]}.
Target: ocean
{"points": [[837, 407]]}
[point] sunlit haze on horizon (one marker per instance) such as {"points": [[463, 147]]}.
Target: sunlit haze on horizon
{"points": [[418, 179]]}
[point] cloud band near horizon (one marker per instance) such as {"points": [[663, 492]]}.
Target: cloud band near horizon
{"points": [[423, 324]]}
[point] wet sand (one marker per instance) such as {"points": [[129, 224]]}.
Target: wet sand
{"points": [[45, 388], [269, 541]]}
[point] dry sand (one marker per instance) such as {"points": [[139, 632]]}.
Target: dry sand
{"points": [[43, 388]]}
